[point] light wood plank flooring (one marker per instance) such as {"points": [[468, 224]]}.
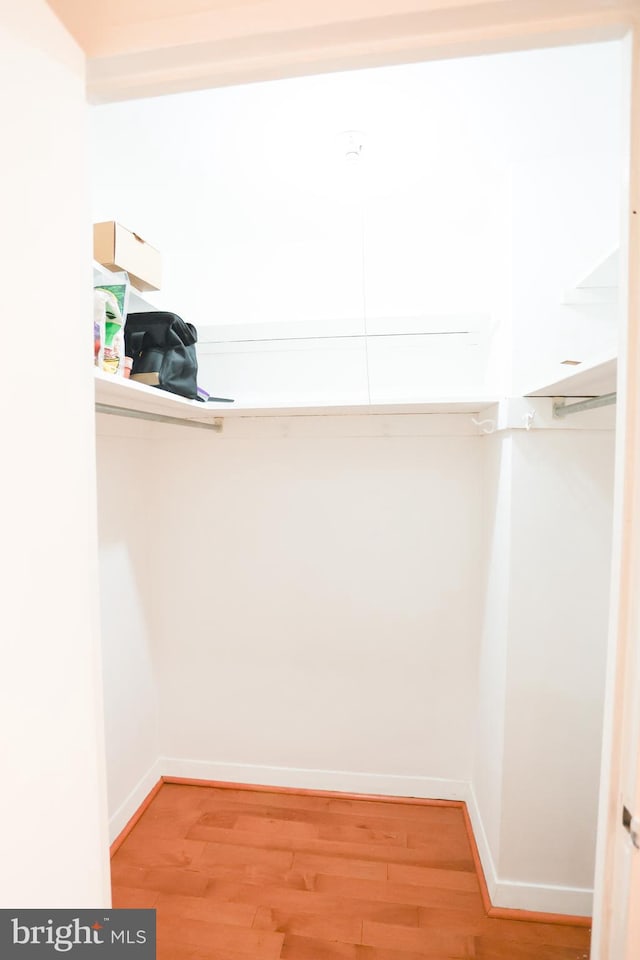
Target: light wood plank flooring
{"points": [[237, 874]]}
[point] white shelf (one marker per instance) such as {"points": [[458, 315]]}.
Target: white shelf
{"points": [[136, 397], [439, 405], [599, 286], [593, 379], [117, 392]]}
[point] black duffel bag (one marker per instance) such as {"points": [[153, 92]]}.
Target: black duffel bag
{"points": [[163, 349]]}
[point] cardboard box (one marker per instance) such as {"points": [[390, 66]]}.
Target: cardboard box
{"points": [[117, 248]]}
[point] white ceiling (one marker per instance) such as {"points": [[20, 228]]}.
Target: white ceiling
{"points": [[122, 26], [139, 48]]}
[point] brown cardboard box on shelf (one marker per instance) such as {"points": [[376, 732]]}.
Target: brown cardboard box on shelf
{"points": [[117, 248]]}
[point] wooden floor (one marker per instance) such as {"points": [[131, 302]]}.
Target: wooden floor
{"points": [[237, 874]]}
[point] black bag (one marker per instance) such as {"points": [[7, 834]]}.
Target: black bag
{"points": [[163, 349]]}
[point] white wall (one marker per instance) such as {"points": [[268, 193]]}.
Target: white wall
{"points": [[260, 217], [489, 723], [127, 539], [560, 561], [542, 672], [319, 607], [53, 846]]}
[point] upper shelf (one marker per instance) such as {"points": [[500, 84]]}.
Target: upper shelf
{"points": [[117, 392], [600, 285], [592, 379], [135, 397]]}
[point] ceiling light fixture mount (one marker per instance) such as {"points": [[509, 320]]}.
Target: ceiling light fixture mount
{"points": [[351, 144]]}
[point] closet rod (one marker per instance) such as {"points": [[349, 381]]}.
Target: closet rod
{"points": [[216, 426], [562, 409]]}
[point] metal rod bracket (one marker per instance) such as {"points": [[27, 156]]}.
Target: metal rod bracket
{"points": [[563, 409]]}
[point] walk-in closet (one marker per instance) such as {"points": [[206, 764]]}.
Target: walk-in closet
{"points": [[385, 567]]}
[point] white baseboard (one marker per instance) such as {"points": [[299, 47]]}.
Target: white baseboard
{"points": [[544, 898], [482, 843], [129, 806], [339, 780], [516, 895], [511, 894]]}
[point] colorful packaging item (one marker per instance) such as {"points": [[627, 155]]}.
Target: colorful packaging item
{"points": [[99, 318], [113, 297], [112, 350]]}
